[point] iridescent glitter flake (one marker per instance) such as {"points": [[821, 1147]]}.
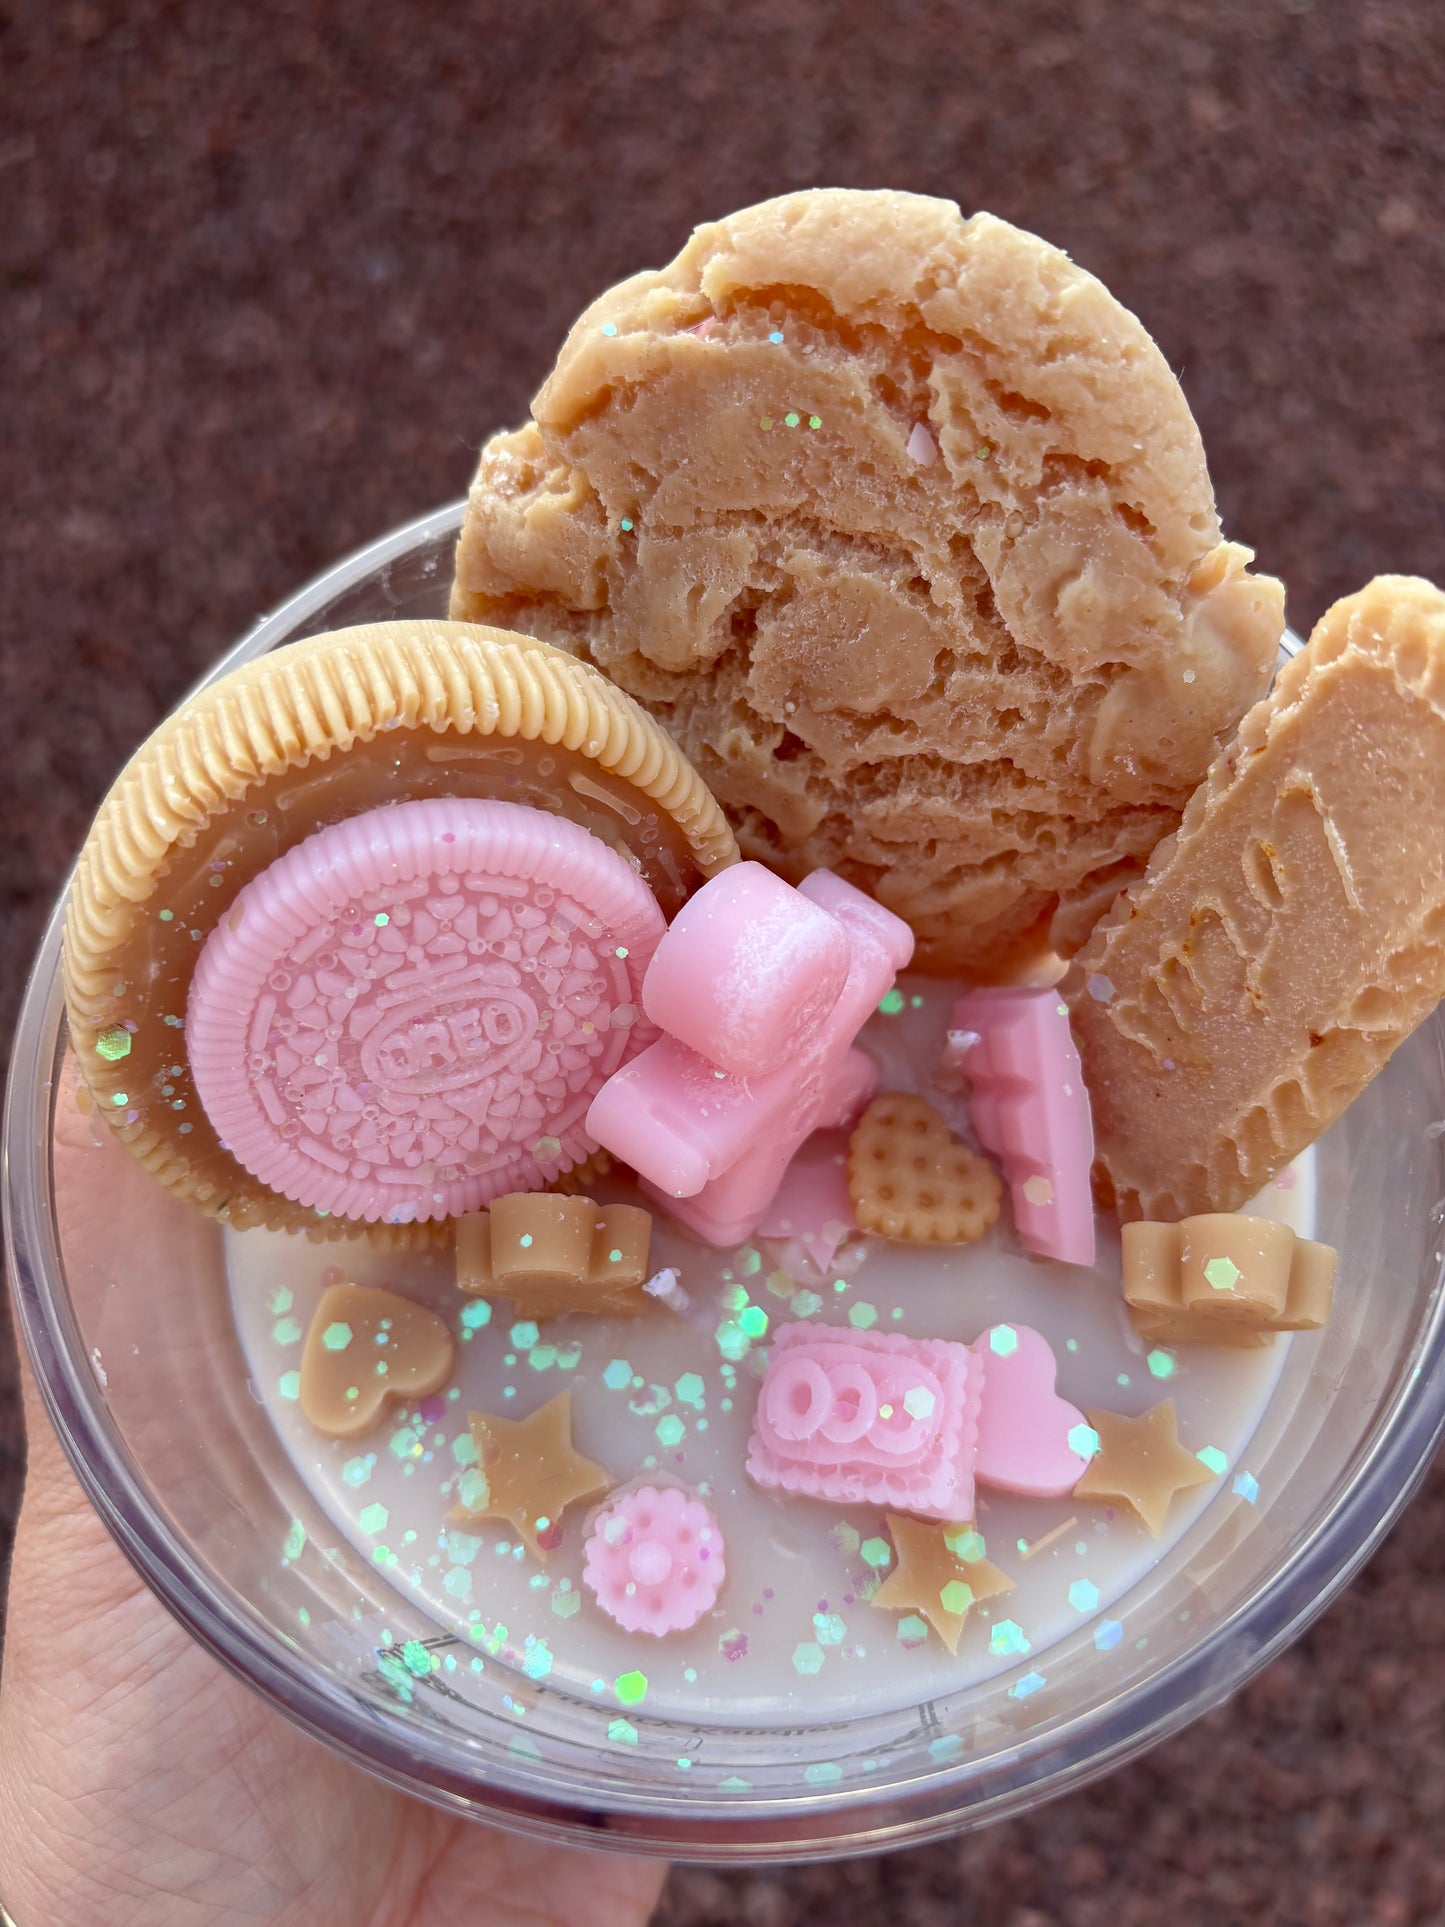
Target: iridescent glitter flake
{"points": [[1004, 1340], [823, 1773], [1007, 1639], [630, 1688], [1222, 1273], [1161, 1364], [1029, 1684], [618, 1375], [1107, 1635], [113, 1044], [808, 1657], [1211, 1456], [1084, 1596], [295, 1540], [373, 1519], [1247, 1487], [1084, 1441]]}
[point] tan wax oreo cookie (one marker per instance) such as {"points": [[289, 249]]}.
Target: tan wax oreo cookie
{"points": [[901, 526], [305, 737], [1232, 1004]]}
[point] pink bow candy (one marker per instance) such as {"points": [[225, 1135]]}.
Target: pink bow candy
{"points": [[912, 1423], [761, 990], [1030, 1108]]}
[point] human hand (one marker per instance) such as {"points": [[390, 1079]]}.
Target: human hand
{"points": [[140, 1784]]}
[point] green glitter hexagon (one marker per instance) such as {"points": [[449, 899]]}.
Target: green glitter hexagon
{"points": [[876, 1553], [475, 1315], [964, 1543], [618, 1375], [1083, 1441], [113, 1044], [690, 1390], [1084, 1596], [1211, 1456], [863, 1317], [1007, 1639], [956, 1596], [524, 1335], [754, 1321], [1161, 1364], [1003, 1340], [808, 1657], [911, 1630], [670, 1430], [891, 1003], [630, 1688], [373, 1519], [919, 1402], [1222, 1273]]}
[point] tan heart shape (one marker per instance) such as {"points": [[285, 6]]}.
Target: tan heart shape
{"points": [[911, 1179], [365, 1348]]}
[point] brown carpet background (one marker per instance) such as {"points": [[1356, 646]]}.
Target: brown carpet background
{"points": [[272, 271]]}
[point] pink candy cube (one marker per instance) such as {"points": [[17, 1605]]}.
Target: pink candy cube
{"points": [[868, 1416], [709, 1140], [1031, 1111]]}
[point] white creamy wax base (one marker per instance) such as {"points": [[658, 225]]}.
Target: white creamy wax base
{"points": [[792, 1635]]}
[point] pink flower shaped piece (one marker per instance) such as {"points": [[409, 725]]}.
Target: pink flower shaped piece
{"points": [[869, 1417], [762, 990], [1030, 1108], [655, 1559], [409, 1013]]}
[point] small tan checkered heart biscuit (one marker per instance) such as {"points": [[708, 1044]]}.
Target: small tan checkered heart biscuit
{"points": [[911, 1179]]}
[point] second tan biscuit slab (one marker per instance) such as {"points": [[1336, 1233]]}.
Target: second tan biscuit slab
{"points": [[1291, 934]]}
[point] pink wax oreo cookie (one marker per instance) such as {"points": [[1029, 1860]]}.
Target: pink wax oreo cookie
{"points": [[858, 1416], [1028, 1103], [409, 1013]]}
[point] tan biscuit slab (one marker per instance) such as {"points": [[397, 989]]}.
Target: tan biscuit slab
{"points": [[1224, 1278], [365, 1349], [900, 524], [551, 1255], [300, 738], [1291, 935]]}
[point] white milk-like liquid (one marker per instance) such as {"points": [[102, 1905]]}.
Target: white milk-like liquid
{"points": [[793, 1634]]}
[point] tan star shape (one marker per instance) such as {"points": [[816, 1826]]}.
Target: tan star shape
{"points": [[1140, 1464], [531, 1472], [932, 1575]]}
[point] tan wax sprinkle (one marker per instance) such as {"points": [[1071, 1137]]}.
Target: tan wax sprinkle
{"points": [[1222, 1277], [552, 1254], [365, 1348], [1291, 935], [984, 664], [1141, 1465], [528, 1472], [311, 733], [911, 1179], [939, 1572]]}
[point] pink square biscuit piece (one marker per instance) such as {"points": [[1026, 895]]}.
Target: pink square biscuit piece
{"points": [[1027, 1434], [869, 1417], [714, 1145], [745, 965], [1030, 1108]]}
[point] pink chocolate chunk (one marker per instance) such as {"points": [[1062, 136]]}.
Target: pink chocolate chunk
{"points": [[869, 1417], [655, 1559], [409, 1013], [710, 1143], [812, 1205], [1027, 1434], [1031, 1111]]}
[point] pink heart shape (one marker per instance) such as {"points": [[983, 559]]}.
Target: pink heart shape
{"points": [[1024, 1427]]}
